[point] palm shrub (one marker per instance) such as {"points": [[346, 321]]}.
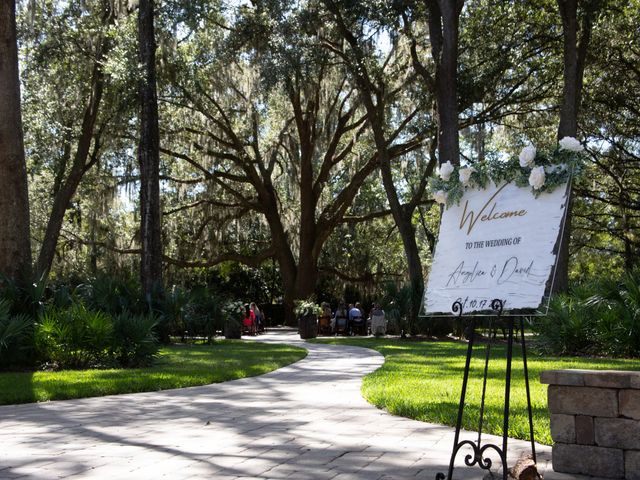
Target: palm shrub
{"points": [[16, 336], [601, 317], [112, 295], [62, 296], [232, 313], [134, 343], [618, 306], [568, 327], [396, 304], [75, 337], [172, 311], [204, 314], [19, 306], [23, 298]]}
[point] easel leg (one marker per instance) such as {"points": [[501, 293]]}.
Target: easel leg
{"points": [[507, 391], [484, 385], [526, 383], [478, 457], [463, 395]]}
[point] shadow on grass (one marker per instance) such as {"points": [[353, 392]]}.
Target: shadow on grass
{"points": [[176, 367]]}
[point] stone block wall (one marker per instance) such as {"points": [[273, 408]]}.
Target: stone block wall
{"points": [[595, 422]]}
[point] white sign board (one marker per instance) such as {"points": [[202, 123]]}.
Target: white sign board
{"points": [[496, 243]]}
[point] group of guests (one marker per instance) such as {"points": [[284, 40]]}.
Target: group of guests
{"points": [[253, 321], [351, 320]]}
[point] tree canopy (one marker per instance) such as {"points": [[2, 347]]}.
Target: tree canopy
{"points": [[296, 139]]}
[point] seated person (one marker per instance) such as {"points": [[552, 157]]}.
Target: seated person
{"points": [[249, 321], [324, 320], [258, 316], [355, 318], [340, 321], [378, 320]]}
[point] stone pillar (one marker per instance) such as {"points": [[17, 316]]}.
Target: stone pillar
{"points": [[595, 422]]}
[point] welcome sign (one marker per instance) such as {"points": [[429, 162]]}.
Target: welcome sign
{"points": [[496, 242]]}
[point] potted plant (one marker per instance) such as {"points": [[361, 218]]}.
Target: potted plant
{"points": [[307, 312], [233, 313]]}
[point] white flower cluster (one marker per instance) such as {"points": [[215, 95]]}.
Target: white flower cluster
{"points": [[440, 197], [465, 175], [571, 144], [446, 169], [538, 174], [537, 177], [527, 158]]}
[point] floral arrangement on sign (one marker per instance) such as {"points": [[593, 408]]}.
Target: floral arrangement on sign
{"points": [[542, 170]]}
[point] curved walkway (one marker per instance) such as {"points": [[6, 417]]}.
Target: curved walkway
{"points": [[304, 421]]}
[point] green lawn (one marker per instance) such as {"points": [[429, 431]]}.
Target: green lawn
{"points": [[422, 380], [177, 367]]}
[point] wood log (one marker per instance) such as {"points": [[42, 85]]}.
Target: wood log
{"points": [[525, 469]]}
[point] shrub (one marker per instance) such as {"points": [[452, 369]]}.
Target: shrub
{"points": [[204, 314], [112, 295], [62, 296], [233, 313], [618, 307], [304, 308], [567, 327], [16, 336], [599, 318], [172, 311], [396, 305], [435, 326], [23, 299], [74, 337], [135, 343]]}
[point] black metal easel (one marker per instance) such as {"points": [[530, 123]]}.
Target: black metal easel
{"points": [[478, 448]]}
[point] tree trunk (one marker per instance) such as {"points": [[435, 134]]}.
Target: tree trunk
{"points": [[283, 254], [307, 271], [288, 297], [568, 126], [402, 219], [149, 156], [307, 275], [374, 102], [15, 241], [67, 188], [574, 63], [443, 34]]}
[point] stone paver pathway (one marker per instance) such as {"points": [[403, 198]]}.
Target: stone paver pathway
{"points": [[304, 421]]}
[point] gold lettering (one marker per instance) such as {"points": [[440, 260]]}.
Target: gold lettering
{"points": [[472, 218]]}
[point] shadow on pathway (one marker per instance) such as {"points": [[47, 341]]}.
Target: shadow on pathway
{"points": [[304, 421]]}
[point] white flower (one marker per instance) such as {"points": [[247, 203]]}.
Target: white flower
{"points": [[440, 197], [537, 177], [571, 144], [556, 168], [527, 156], [446, 169], [465, 175]]}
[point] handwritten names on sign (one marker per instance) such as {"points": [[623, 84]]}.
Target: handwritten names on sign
{"points": [[496, 243]]}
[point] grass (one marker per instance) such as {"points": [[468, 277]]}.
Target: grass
{"points": [[176, 367], [423, 380]]}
